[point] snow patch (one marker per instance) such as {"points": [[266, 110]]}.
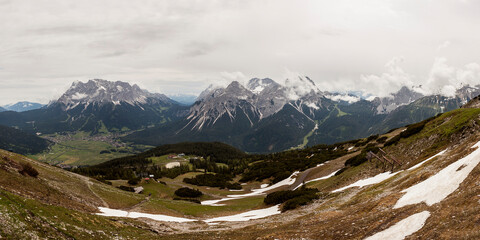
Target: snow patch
{"points": [[246, 216], [172, 164], [241, 217], [158, 217], [369, 181], [439, 186], [78, 96], [403, 228], [255, 192], [318, 179], [426, 160]]}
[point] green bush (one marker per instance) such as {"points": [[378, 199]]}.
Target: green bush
{"points": [[372, 137], [188, 192], [413, 129], [213, 180], [392, 141], [341, 171], [357, 160], [382, 139], [297, 202], [292, 199], [126, 188], [133, 181]]}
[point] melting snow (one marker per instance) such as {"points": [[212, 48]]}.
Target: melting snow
{"points": [[318, 179], [242, 217], [439, 186], [369, 181], [159, 217], [255, 192], [172, 164], [403, 228], [428, 159]]}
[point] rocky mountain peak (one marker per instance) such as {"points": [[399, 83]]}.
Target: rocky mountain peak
{"points": [[403, 96], [103, 91], [257, 85]]}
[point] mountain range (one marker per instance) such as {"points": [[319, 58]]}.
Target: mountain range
{"points": [[416, 182], [22, 106], [97, 106], [265, 116], [260, 115]]}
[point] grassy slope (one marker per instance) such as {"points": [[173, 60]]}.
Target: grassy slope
{"points": [[23, 218], [79, 149], [365, 211], [358, 213]]}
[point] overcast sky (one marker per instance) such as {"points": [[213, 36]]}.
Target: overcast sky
{"points": [[181, 46]]}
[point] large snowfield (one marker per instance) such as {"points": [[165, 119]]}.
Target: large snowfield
{"points": [[403, 228], [108, 212], [241, 217], [439, 186]]}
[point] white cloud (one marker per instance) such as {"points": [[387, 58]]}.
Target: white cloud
{"points": [[444, 79], [388, 82], [443, 45]]}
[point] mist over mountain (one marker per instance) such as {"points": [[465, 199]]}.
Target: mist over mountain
{"points": [[264, 115]]}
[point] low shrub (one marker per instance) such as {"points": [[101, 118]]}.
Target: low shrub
{"points": [[413, 129], [188, 192], [341, 171], [133, 181], [213, 180], [372, 137], [28, 169], [126, 188], [297, 202], [292, 199], [382, 139], [392, 141]]}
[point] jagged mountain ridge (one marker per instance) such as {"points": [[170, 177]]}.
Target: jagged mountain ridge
{"points": [[98, 106], [265, 116], [103, 91]]}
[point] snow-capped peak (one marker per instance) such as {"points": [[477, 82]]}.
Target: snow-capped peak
{"points": [[103, 91], [257, 85]]}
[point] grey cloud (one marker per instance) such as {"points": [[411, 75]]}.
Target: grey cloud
{"points": [[341, 45]]}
